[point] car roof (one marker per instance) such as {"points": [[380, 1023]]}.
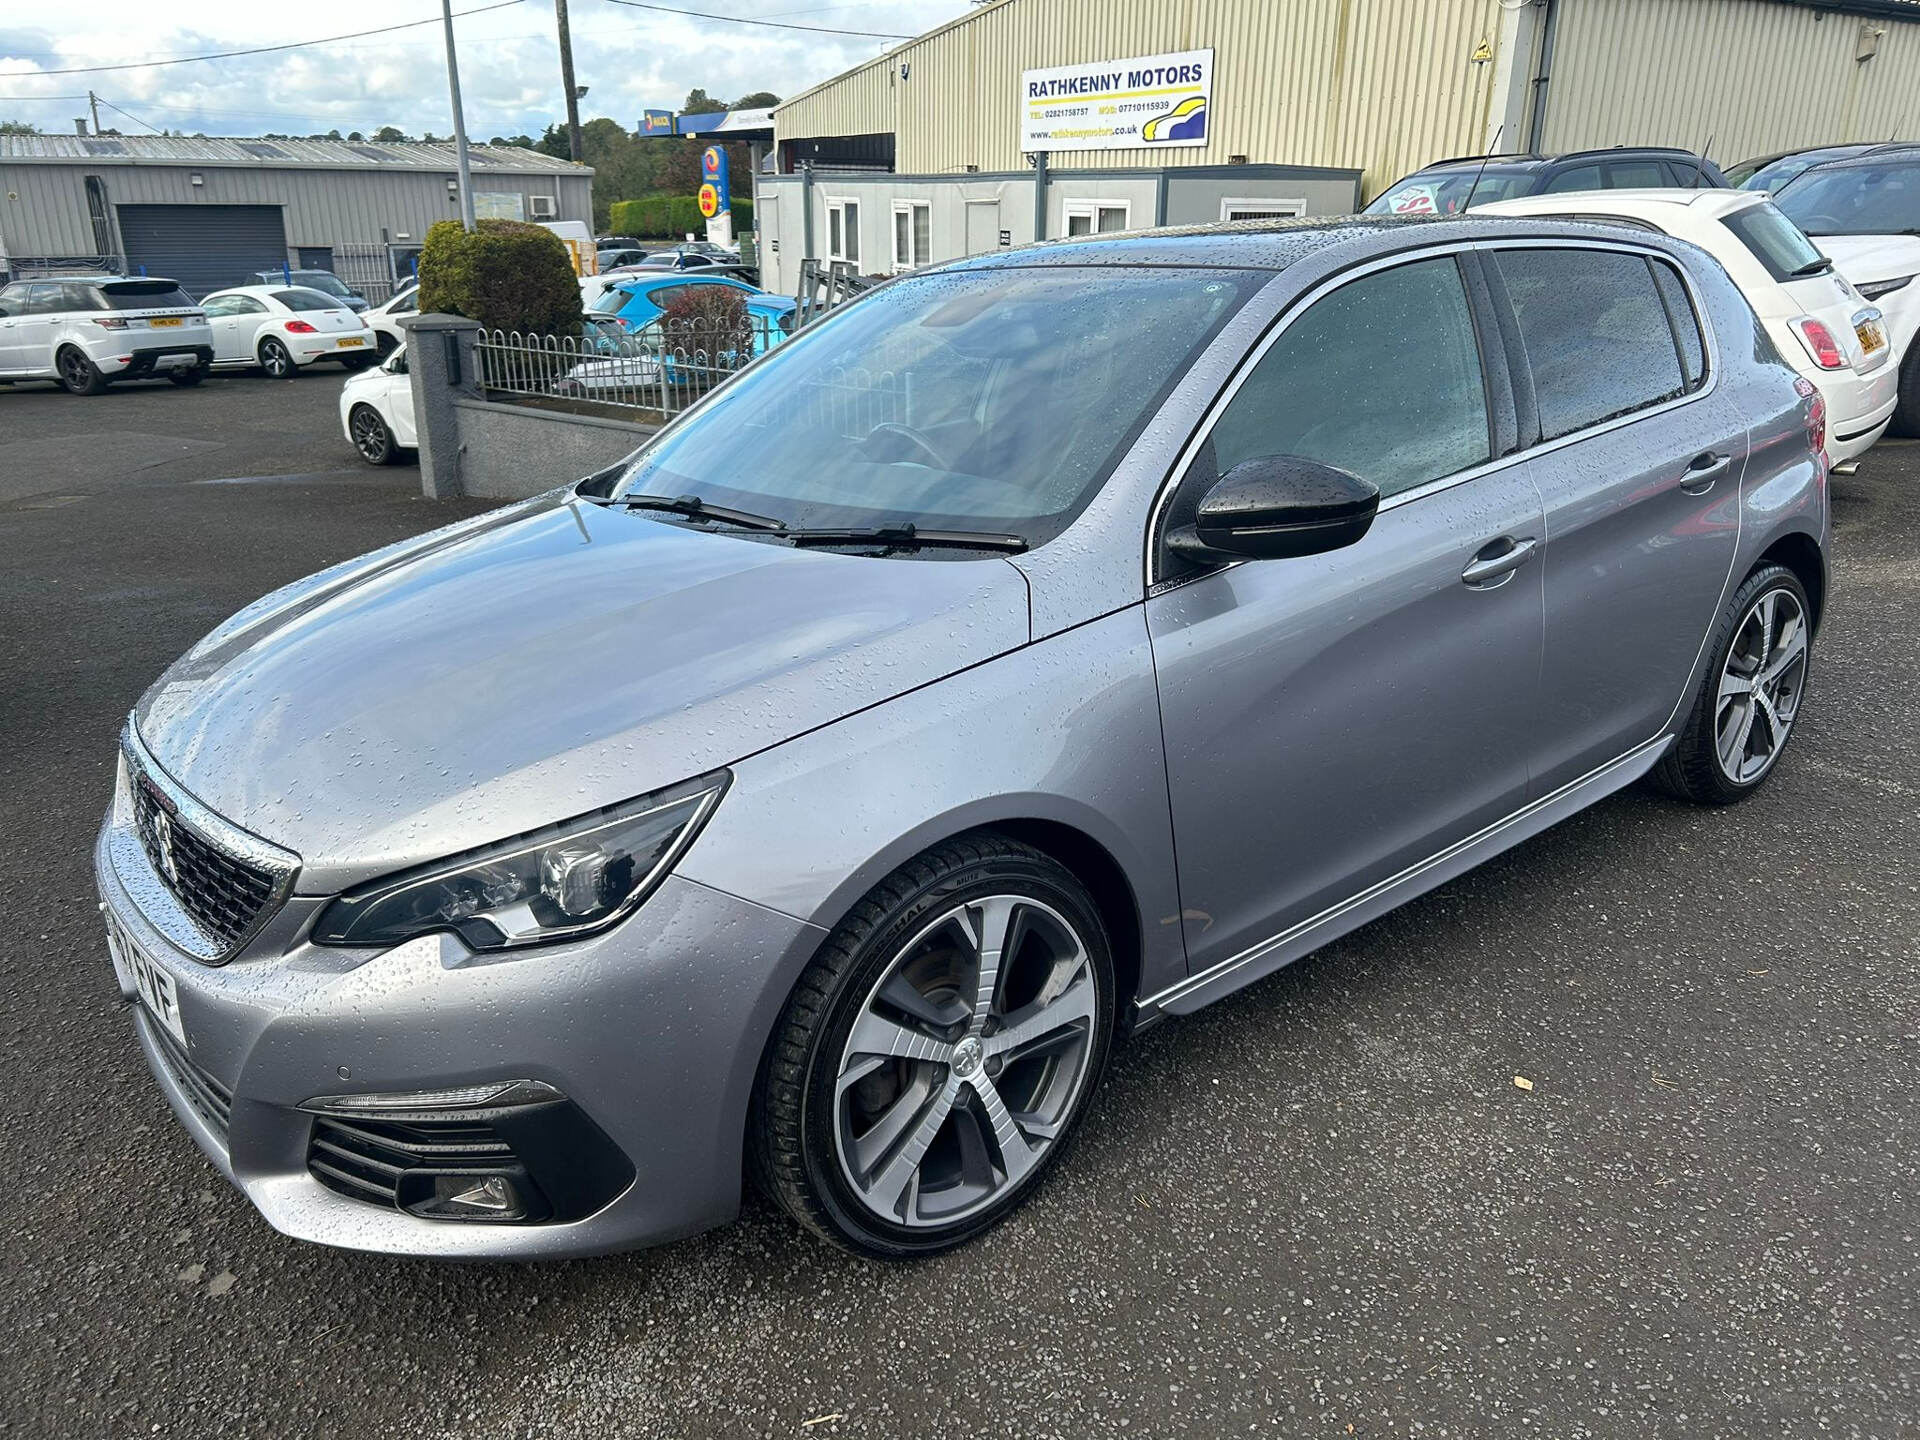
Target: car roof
{"points": [[1271, 245], [1529, 158], [267, 292], [633, 284], [1901, 153], [1714, 203]]}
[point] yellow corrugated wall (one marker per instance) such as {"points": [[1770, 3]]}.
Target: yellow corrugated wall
{"points": [[1383, 85], [1753, 75]]}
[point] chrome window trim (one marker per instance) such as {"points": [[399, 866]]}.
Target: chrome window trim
{"points": [[171, 918], [1156, 515]]}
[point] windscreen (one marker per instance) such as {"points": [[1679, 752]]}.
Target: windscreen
{"points": [[322, 281], [306, 300], [145, 295], [1855, 199], [1776, 242], [995, 400], [1445, 192]]}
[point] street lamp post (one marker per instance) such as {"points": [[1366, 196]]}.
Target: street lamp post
{"points": [[459, 120]]}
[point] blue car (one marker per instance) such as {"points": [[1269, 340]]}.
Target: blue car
{"points": [[635, 302]]}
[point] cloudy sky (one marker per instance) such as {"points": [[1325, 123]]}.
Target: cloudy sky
{"points": [[509, 61]]}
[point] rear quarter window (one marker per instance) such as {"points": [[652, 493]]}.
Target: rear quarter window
{"points": [[1775, 241], [1598, 341]]}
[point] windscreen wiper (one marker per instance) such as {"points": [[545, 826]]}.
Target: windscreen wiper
{"points": [[1812, 267], [694, 508], [906, 537]]}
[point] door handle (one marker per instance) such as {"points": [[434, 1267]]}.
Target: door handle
{"points": [[1497, 559], [1702, 471]]}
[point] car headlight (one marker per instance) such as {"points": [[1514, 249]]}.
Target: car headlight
{"points": [[557, 883], [1874, 289]]}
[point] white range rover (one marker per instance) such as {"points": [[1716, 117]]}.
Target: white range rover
{"points": [[86, 332]]}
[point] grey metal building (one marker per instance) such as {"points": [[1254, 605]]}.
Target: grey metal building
{"points": [[1026, 118], [208, 212]]}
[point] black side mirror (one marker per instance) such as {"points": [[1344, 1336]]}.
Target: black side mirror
{"points": [[1275, 507]]}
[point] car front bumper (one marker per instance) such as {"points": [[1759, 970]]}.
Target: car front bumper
{"points": [[653, 1030]]}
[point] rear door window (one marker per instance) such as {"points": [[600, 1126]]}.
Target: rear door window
{"points": [[1636, 175], [1382, 377], [1597, 337], [1581, 177]]}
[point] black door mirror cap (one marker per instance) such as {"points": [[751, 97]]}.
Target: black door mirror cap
{"points": [[1277, 507]]}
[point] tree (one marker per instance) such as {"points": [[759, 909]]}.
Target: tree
{"points": [[355, 136], [18, 127], [389, 134], [701, 103], [758, 100], [555, 142]]}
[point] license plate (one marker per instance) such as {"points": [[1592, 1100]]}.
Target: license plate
{"points": [[166, 323], [355, 340], [1872, 337], [149, 980]]}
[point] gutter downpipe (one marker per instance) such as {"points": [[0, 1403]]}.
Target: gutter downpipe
{"points": [[1542, 75]]}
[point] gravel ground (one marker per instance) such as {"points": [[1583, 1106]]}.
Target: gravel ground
{"points": [[1321, 1207]]}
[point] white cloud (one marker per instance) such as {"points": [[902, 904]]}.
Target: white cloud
{"points": [[509, 63]]}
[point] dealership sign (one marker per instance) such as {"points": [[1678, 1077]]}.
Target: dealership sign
{"points": [[1147, 103]]}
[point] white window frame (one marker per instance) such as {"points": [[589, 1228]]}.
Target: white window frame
{"points": [[842, 203], [1090, 210], [910, 261], [1266, 204]]}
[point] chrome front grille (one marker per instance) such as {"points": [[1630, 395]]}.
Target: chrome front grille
{"points": [[224, 895], [209, 885]]}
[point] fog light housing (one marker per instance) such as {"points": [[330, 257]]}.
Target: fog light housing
{"points": [[498, 1196]]}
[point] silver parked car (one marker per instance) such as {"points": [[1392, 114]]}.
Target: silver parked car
{"points": [[1034, 649]]}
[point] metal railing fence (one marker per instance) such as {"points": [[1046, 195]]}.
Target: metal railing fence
{"points": [[664, 367]]}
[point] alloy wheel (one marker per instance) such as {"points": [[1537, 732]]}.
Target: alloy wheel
{"points": [[370, 436], [966, 1061], [275, 360], [1760, 687], [74, 370]]}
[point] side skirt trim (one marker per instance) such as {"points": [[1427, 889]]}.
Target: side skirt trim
{"points": [[1330, 924]]}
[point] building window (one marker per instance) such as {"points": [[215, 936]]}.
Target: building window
{"points": [[912, 234], [1258, 208], [843, 230], [1096, 217]]}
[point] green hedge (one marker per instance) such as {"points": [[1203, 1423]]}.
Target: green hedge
{"points": [[506, 274], [670, 217]]}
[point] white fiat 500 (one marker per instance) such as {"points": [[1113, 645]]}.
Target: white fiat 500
{"points": [[1822, 326], [282, 328], [376, 411]]}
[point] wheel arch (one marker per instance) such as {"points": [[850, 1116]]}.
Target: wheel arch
{"points": [[1094, 866], [1801, 554]]}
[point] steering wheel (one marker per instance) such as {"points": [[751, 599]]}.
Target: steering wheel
{"points": [[911, 438], [1823, 222]]}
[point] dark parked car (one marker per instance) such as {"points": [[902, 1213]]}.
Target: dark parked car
{"points": [[1031, 650], [1443, 187], [1774, 172]]}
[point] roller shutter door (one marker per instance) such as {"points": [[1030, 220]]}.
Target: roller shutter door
{"points": [[204, 247]]}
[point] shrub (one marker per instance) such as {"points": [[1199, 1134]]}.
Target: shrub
{"points": [[709, 325], [506, 274], [663, 217]]}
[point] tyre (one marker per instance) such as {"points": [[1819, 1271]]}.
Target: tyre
{"points": [[1906, 412], [371, 436], [356, 363], [184, 378], [1744, 715], [386, 344], [276, 359], [935, 1059], [79, 374]]}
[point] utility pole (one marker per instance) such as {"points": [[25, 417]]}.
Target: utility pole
{"points": [[459, 120], [566, 81], [93, 104]]}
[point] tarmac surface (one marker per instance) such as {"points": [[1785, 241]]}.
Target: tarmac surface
{"points": [[1321, 1207]]}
